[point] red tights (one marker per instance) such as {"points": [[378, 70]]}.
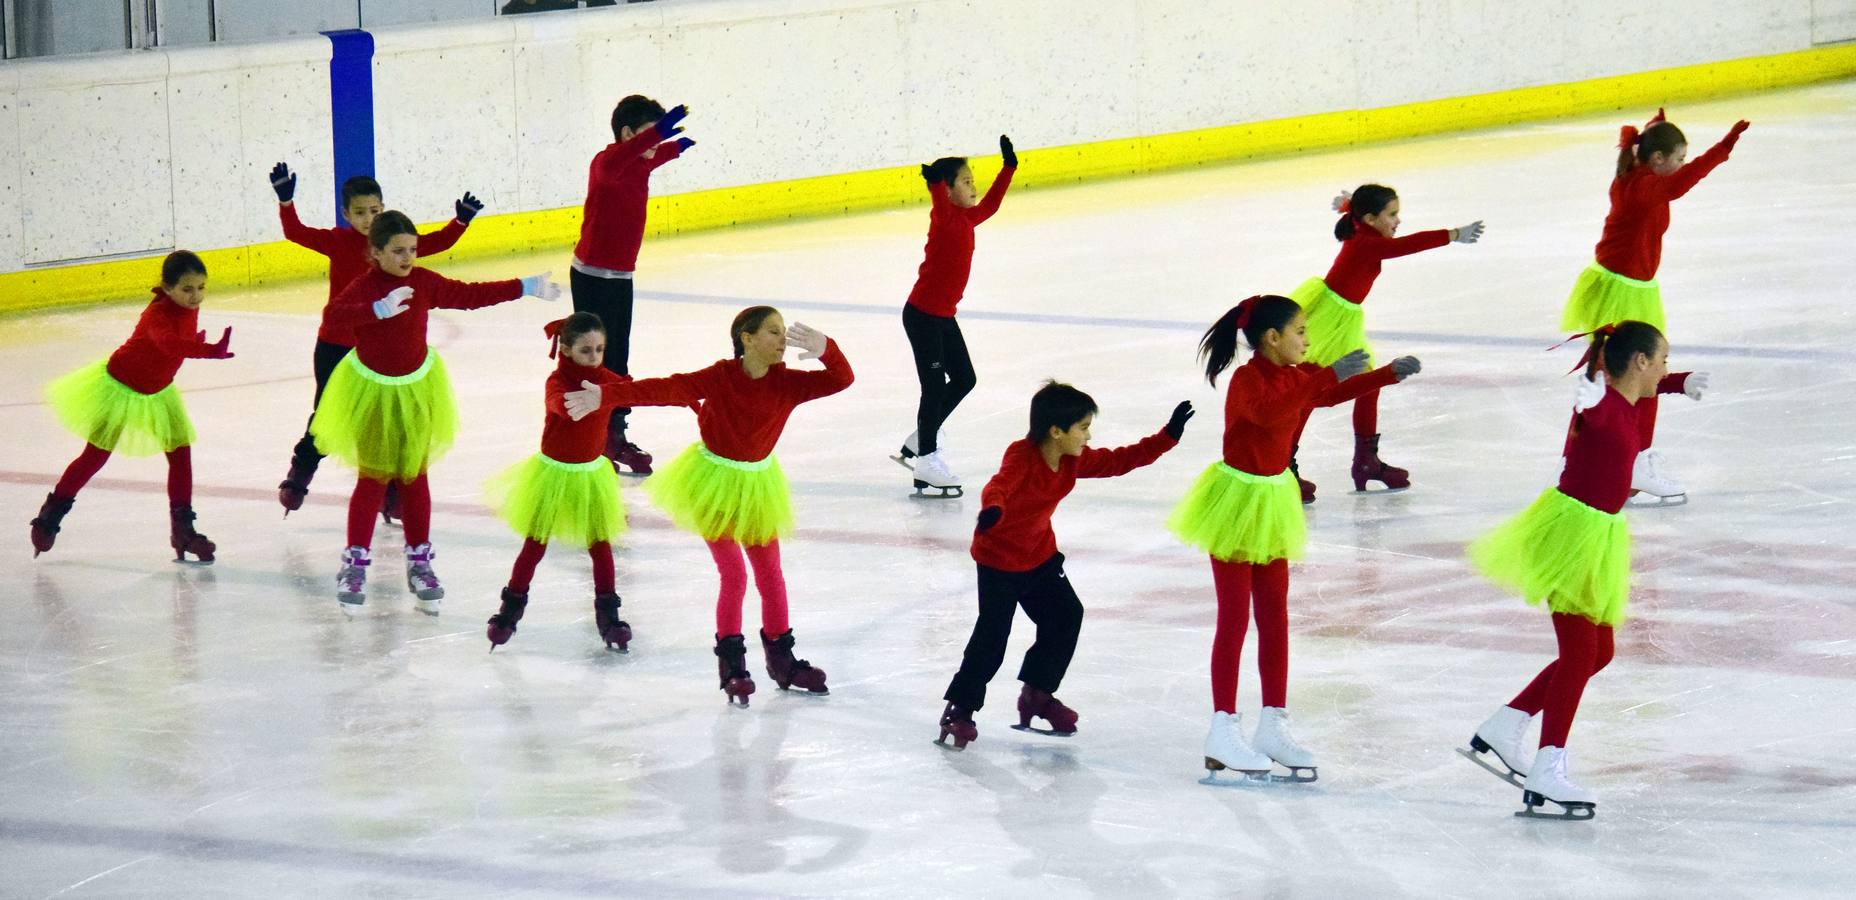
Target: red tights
{"points": [[1585, 648], [768, 579], [532, 550], [415, 510], [1236, 583], [89, 462]]}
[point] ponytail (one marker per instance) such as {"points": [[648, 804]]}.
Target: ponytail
{"points": [[564, 333], [1368, 200], [1613, 347], [1635, 146], [1254, 317]]}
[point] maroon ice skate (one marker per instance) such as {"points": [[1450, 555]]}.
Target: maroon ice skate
{"points": [[630, 456], [45, 525], [1308, 487], [957, 723], [503, 624], [185, 540], [1368, 467], [1035, 703], [731, 663], [295, 486], [788, 672], [612, 629]]}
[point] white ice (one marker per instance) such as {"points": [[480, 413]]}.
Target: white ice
{"points": [[226, 731]]}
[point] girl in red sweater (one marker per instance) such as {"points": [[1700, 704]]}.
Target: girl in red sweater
{"points": [[1620, 284], [1016, 554], [941, 361], [1245, 513], [128, 404], [728, 487], [568, 490], [1337, 320], [388, 410], [1570, 550]]}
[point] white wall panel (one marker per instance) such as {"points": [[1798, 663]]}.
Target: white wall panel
{"points": [[1833, 21], [12, 170], [444, 121]]}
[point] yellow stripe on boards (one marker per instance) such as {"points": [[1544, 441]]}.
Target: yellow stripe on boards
{"points": [[558, 229]]}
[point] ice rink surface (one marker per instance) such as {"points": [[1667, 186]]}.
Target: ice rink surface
{"points": [[228, 732]]}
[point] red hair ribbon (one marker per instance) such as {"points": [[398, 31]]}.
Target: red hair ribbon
{"points": [[1627, 137], [1346, 207], [553, 331], [1244, 308], [1586, 359]]}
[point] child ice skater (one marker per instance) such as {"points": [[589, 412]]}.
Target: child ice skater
{"points": [[388, 410], [1620, 285], [1016, 554], [1246, 514], [728, 487], [618, 192], [941, 361], [1570, 549], [568, 491], [1367, 230], [128, 404], [347, 251]]}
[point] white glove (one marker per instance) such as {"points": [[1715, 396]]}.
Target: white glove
{"points": [[1350, 365], [582, 403], [393, 303], [1470, 233], [811, 343], [539, 287], [1694, 384], [1589, 393], [1341, 198]]}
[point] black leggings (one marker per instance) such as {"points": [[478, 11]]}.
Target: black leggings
{"points": [[943, 367], [328, 356], [611, 300], [1048, 599]]}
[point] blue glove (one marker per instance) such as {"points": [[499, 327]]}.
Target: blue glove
{"points": [[283, 181], [684, 144], [468, 207], [667, 126], [1005, 150]]}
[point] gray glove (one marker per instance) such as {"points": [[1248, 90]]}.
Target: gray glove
{"points": [[1350, 365], [1406, 366]]}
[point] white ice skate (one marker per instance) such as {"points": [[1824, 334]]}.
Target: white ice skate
{"points": [[1225, 749], [422, 581], [932, 474], [351, 581], [1652, 487], [1548, 782], [1274, 741], [912, 448], [1503, 735]]}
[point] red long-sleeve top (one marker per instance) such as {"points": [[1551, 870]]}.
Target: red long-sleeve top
{"points": [[1602, 444], [1265, 404], [1027, 491], [347, 249], [397, 346], [618, 190], [740, 418], [1632, 242], [164, 337], [562, 438], [947, 259], [1356, 266]]}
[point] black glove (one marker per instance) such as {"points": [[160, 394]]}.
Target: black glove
{"points": [[1176, 426], [468, 207], [1405, 367], [930, 175], [989, 517], [283, 182], [1005, 150]]}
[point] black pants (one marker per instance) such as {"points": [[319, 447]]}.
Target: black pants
{"points": [[328, 356], [1046, 595], [611, 300], [943, 367]]}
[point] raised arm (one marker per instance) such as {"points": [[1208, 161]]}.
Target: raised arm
{"points": [[1109, 463], [1685, 178]]}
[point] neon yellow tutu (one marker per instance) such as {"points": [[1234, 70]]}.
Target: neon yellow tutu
{"points": [[718, 497], [1336, 325], [387, 426], [1603, 297], [546, 500], [1573, 557], [1238, 517], [116, 417]]}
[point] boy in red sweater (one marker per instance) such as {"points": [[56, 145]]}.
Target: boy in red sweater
{"points": [[1019, 565], [618, 192], [347, 251]]}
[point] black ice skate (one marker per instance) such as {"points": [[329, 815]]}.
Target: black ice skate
{"points": [[788, 672]]}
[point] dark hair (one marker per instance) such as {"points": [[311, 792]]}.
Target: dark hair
{"points": [[578, 325], [1617, 349], [387, 225], [1663, 137], [1057, 405], [360, 186], [1254, 316], [947, 167], [1367, 200], [635, 112], [748, 321], [181, 263]]}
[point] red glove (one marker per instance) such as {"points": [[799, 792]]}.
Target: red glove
{"points": [[1733, 134], [218, 350]]}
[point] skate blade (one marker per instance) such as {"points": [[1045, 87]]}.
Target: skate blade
{"points": [[944, 493], [1510, 776], [950, 746], [429, 607], [1577, 812], [803, 692], [1241, 777], [1374, 491], [1297, 775], [1647, 500], [902, 461], [1048, 732], [185, 562]]}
